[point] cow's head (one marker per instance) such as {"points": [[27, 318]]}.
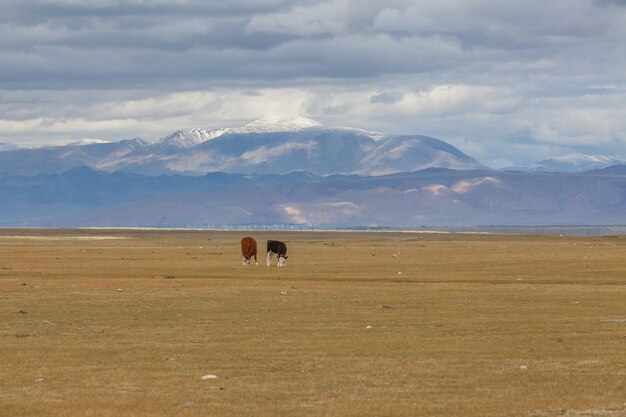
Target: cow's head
{"points": [[282, 260], [245, 261]]}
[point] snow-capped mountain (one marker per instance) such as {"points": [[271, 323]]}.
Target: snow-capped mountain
{"points": [[573, 162], [277, 124], [277, 146], [88, 142], [266, 146], [189, 138], [406, 180], [194, 137]]}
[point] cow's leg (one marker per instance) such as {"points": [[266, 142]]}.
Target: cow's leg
{"points": [[269, 258], [255, 261]]}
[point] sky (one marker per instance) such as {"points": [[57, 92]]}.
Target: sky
{"points": [[506, 82]]}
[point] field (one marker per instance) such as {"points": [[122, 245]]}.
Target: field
{"points": [[127, 322]]}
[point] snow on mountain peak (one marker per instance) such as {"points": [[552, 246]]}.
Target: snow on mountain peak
{"points": [[88, 141], [278, 124], [578, 159], [372, 135], [573, 162], [191, 138]]}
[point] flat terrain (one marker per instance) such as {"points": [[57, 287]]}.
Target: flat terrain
{"points": [[123, 322]]}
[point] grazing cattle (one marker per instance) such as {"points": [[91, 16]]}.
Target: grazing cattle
{"points": [[278, 248], [248, 250]]}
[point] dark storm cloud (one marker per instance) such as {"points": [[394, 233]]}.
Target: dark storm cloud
{"points": [[116, 43], [120, 43]]}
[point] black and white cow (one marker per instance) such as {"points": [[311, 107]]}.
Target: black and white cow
{"points": [[278, 248]]}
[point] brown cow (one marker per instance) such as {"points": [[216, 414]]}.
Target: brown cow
{"points": [[248, 250]]}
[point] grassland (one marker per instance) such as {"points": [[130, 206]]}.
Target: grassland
{"points": [[126, 323]]}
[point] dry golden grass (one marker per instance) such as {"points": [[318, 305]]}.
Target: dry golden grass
{"points": [[121, 323]]}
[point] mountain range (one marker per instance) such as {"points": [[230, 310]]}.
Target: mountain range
{"points": [[261, 147], [294, 172], [433, 197]]}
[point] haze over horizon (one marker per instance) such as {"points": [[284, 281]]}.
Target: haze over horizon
{"points": [[506, 83]]}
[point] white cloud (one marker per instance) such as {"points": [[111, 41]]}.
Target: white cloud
{"points": [[446, 100], [590, 120], [140, 114], [502, 81]]}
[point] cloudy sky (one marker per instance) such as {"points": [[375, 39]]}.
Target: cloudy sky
{"points": [[506, 82]]}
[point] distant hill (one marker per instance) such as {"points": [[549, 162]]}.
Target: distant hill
{"points": [[574, 162], [269, 146], [57, 159], [613, 170], [431, 197]]}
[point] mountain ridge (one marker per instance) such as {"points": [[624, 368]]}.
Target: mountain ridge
{"points": [[434, 197], [296, 172], [572, 162], [272, 146]]}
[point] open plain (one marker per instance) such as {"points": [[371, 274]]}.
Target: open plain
{"points": [[164, 323]]}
